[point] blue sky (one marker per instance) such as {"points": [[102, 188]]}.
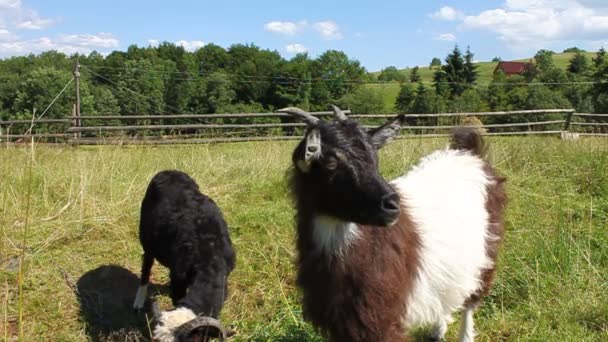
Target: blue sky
{"points": [[377, 33]]}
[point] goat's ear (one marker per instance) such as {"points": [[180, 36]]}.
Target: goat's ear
{"points": [[312, 150], [385, 133]]}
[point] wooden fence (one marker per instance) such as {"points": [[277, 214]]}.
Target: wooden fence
{"points": [[211, 128]]}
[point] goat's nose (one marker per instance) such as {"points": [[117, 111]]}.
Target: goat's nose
{"points": [[390, 203]]}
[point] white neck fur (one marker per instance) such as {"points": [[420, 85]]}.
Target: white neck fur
{"points": [[333, 236]]}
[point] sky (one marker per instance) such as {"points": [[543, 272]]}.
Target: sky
{"points": [[377, 33]]}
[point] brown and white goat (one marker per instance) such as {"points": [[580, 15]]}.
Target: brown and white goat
{"points": [[376, 258]]}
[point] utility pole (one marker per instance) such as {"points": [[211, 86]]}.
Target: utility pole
{"points": [[77, 110]]}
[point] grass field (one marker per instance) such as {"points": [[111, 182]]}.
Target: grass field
{"points": [[75, 210], [485, 73]]}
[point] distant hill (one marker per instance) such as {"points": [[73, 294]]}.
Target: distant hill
{"points": [[485, 69]]}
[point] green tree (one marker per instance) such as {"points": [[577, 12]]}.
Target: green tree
{"points": [[39, 88], [455, 74], [414, 75], [599, 58], [219, 94], [295, 86], [141, 88], [423, 103], [470, 69], [435, 62], [546, 70], [389, 74], [440, 81], [471, 100], [544, 60], [337, 75], [253, 71], [542, 97], [497, 94], [366, 100], [573, 49], [405, 99], [600, 87], [105, 101], [578, 64], [211, 58]]}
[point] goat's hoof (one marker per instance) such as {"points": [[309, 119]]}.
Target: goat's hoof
{"points": [[230, 332], [434, 339]]}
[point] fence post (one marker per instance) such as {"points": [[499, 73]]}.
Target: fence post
{"points": [[74, 124], [568, 119], [77, 105]]}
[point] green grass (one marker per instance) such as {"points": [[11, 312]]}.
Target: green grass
{"points": [[485, 75], [552, 281]]}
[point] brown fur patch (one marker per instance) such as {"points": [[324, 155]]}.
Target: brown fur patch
{"points": [[361, 296], [495, 204]]}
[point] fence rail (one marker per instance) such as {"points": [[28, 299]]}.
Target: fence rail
{"points": [[205, 128]]}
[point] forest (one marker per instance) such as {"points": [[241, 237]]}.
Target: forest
{"points": [[167, 79]]}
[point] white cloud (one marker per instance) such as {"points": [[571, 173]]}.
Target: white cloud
{"points": [[533, 23], [6, 35], [35, 23], [15, 17], [328, 29], [101, 40], [295, 48], [190, 45], [10, 3], [13, 13], [447, 37], [288, 28], [446, 13], [69, 44]]}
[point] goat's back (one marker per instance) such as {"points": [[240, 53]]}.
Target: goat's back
{"points": [[447, 196], [180, 226]]}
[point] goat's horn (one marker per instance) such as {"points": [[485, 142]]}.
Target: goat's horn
{"points": [[338, 113], [300, 114], [202, 322], [155, 311]]}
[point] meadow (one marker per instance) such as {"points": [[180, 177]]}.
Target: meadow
{"points": [[70, 255], [485, 70]]}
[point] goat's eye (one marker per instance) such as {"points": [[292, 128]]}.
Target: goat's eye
{"points": [[331, 163]]}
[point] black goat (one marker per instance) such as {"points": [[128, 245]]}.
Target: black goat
{"points": [[185, 231]]}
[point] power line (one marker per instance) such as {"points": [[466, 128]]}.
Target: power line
{"points": [[48, 107], [128, 89], [290, 80]]}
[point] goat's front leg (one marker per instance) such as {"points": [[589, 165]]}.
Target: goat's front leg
{"points": [[179, 286], [467, 330], [142, 290]]}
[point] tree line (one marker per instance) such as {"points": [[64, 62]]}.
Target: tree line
{"points": [[169, 79], [582, 86], [246, 78]]}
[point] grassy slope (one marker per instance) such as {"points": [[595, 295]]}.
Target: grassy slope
{"points": [[552, 283], [485, 69]]}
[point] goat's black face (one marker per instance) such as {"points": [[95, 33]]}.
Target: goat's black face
{"points": [[337, 172]]}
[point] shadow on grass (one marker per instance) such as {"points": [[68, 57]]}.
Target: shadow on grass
{"points": [[290, 333], [305, 333], [106, 298]]}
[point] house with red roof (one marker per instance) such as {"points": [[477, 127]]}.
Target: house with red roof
{"points": [[512, 68]]}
